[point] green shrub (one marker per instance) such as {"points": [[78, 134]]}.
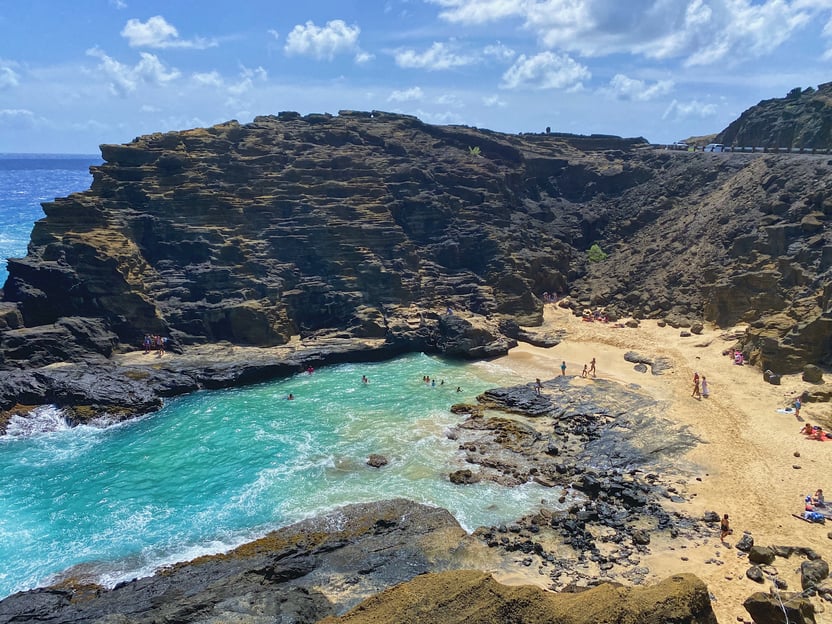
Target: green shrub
{"points": [[595, 254], [475, 151]]}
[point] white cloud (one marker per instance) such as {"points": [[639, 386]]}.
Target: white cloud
{"points": [[363, 57], [16, 114], [444, 117], [449, 99], [274, 34], [626, 88], [8, 77], [480, 11], [408, 95], [149, 108], [119, 4], [156, 32], [125, 79], [500, 52], [438, 57], [694, 108], [493, 101], [701, 32], [545, 71], [247, 78], [208, 79], [323, 43]]}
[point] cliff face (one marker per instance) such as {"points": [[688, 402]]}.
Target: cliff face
{"points": [[802, 119], [368, 224]]}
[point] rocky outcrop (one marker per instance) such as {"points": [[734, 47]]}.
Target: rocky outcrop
{"points": [[474, 597], [802, 119], [372, 225], [355, 551], [324, 566]]}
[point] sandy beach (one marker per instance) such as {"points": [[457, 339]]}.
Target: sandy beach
{"points": [[747, 465]]}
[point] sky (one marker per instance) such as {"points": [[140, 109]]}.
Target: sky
{"points": [[78, 73]]}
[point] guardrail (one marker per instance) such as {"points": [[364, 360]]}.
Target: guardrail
{"points": [[758, 149]]}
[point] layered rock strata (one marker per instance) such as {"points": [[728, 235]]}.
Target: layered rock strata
{"points": [[371, 225]]}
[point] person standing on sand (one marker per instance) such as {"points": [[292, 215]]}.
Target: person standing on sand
{"points": [[696, 392], [706, 392], [797, 406], [563, 368], [592, 367], [538, 387], [584, 372]]}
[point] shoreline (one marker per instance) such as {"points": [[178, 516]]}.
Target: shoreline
{"points": [[753, 463], [745, 464]]}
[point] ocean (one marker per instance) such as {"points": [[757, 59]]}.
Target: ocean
{"points": [[215, 469], [26, 180]]}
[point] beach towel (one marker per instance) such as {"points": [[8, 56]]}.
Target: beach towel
{"points": [[785, 410]]}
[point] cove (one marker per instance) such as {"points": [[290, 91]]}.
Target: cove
{"points": [[215, 469]]}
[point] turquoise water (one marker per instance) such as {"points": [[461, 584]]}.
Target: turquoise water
{"points": [[214, 469], [26, 181]]}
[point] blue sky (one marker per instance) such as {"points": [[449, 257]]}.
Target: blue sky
{"points": [[78, 73]]}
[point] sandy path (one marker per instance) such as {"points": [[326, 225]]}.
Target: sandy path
{"points": [[747, 459]]}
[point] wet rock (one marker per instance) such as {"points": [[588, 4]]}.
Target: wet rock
{"points": [[377, 461], [463, 477], [519, 399]]}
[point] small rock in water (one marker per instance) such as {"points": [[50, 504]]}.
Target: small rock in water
{"points": [[377, 461]]}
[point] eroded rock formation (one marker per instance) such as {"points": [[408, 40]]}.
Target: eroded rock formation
{"points": [[372, 225]]}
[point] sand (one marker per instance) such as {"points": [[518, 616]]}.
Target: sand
{"points": [[747, 462]]}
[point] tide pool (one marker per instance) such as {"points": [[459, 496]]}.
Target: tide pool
{"points": [[215, 469]]}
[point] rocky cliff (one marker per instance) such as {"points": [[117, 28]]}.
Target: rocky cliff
{"points": [[801, 120], [370, 225]]}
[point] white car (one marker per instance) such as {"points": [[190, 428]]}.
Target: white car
{"points": [[715, 147]]}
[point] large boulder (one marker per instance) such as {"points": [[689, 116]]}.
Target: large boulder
{"points": [[761, 555], [768, 609], [813, 573], [812, 374], [471, 337]]}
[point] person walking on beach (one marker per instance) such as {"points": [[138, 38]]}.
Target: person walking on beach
{"points": [[538, 387], [724, 528], [706, 392], [563, 368], [797, 406], [696, 393], [584, 372], [592, 367]]}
